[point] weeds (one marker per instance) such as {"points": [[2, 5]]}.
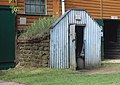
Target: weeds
{"points": [[38, 28]]}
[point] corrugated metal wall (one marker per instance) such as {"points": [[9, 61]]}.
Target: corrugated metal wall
{"points": [[59, 40], [72, 16], [59, 45], [92, 38]]}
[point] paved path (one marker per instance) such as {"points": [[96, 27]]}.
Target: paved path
{"points": [[9, 83]]}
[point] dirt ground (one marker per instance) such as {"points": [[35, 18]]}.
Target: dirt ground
{"points": [[9, 83], [105, 70], [102, 71], [112, 61]]}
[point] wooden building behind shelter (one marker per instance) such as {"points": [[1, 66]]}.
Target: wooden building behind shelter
{"points": [[98, 9]]}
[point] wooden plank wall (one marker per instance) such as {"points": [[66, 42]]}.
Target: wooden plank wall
{"points": [[31, 18], [99, 9], [6, 3], [92, 6], [56, 8], [111, 8], [21, 5], [49, 6], [60, 8]]}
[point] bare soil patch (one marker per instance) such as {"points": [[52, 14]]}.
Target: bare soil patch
{"points": [[9, 83], [105, 70], [112, 61]]}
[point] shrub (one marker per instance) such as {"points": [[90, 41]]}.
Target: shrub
{"points": [[39, 28]]}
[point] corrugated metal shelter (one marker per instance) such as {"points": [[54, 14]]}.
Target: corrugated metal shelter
{"points": [[64, 45]]}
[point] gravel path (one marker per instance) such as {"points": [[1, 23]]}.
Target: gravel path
{"points": [[9, 83]]}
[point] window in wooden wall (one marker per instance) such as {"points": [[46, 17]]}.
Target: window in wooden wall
{"points": [[35, 7]]}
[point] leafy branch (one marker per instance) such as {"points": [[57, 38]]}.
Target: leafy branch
{"points": [[14, 9]]}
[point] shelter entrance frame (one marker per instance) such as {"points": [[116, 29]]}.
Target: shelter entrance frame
{"points": [[74, 60]]}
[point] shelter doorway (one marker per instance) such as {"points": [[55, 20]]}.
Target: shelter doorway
{"points": [[80, 58], [77, 58], [111, 39]]}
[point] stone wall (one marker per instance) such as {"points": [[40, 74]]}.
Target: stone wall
{"points": [[34, 52]]}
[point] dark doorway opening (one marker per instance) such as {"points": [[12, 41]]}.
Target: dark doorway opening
{"points": [[80, 60], [111, 39]]}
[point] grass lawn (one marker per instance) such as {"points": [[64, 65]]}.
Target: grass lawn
{"points": [[46, 76]]}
